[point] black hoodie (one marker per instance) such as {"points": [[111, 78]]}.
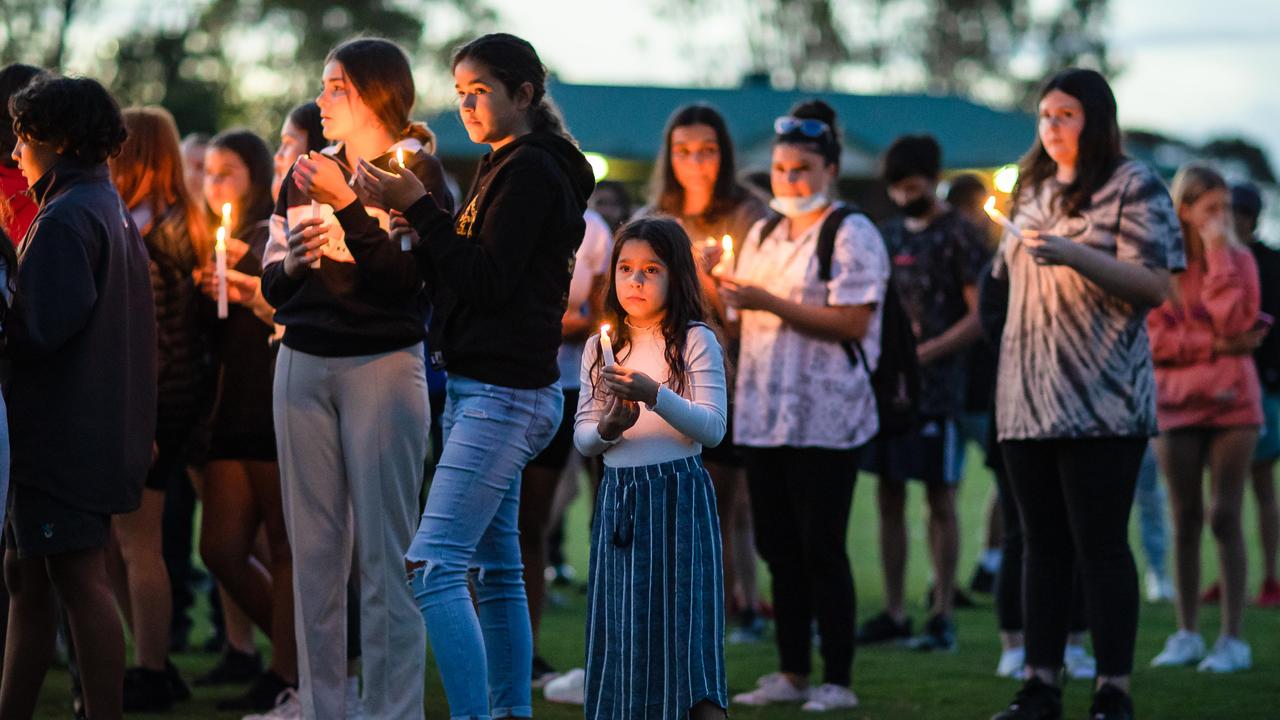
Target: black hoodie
{"points": [[82, 336], [367, 297], [504, 264]]}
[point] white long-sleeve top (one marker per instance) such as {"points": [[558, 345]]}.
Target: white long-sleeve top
{"points": [[675, 426]]}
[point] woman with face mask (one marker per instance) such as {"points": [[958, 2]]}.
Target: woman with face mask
{"points": [[802, 408]]}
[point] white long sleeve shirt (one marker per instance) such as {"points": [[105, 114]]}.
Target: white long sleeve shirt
{"points": [[675, 426]]}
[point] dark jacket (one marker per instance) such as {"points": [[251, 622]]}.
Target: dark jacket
{"points": [[1267, 356], [505, 262], [367, 297], [182, 359], [82, 336]]}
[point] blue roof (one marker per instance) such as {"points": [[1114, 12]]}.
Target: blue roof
{"points": [[627, 122]]}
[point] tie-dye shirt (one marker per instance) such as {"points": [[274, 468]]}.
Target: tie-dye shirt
{"points": [[1075, 361]]}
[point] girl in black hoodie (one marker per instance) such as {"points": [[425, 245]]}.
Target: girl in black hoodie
{"points": [[351, 409], [504, 265]]}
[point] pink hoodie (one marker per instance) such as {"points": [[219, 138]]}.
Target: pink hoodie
{"points": [[1196, 387]]}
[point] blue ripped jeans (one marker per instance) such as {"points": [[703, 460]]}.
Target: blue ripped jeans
{"points": [[470, 524]]}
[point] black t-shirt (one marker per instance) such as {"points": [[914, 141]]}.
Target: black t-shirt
{"points": [[931, 269], [1267, 356]]}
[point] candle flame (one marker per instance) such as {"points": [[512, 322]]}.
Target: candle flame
{"points": [[605, 328], [727, 244], [990, 205], [400, 156], [226, 214], [222, 238]]}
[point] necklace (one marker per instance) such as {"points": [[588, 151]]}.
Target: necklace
{"points": [[650, 327]]}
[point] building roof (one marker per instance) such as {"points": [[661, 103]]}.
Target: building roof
{"points": [[626, 122]]}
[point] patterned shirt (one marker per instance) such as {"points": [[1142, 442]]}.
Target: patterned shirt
{"points": [[795, 389], [1074, 359], [931, 269]]}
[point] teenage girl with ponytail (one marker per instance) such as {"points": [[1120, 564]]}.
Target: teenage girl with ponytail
{"points": [[351, 409]]}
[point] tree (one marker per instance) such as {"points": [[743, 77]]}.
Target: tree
{"points": [[942, 46]]}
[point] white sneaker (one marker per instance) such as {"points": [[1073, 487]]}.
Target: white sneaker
{"points": [[1013, 664], [1078, 663], [355, 706], [1182, 648], [1229, 655], [569, 689], [772, 688], [1159, 587], [830, 697], [288, 707]]}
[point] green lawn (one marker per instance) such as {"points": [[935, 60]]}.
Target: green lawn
{"points": [[893, 683]]}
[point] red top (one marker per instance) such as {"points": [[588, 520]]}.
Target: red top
{"points": [[13, 186], [1218, 297]]}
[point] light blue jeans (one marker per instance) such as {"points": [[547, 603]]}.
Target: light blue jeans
{"points": [[1153, 515], [470, 526]]}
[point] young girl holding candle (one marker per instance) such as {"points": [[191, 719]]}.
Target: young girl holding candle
{"points": [[350, 388], [656, 574], [241, 489], [504, 265]]}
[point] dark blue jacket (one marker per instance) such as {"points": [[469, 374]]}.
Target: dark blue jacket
{"points": [[82, 338]]}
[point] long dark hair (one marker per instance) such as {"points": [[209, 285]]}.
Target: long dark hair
{"points": [[379, 70], [1099, 150], [514, 62], [667, 194], [253, 152], [12, 79], [306, 117], [685, 303]]}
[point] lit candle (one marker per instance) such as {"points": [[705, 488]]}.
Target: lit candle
{"points": [[400, 157], [606, 346], [220, 266], [999, 217], [726, 266]]}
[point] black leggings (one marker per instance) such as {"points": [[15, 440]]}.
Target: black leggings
{"points": [[800, 503], [1009, 579], [1074, 496]]}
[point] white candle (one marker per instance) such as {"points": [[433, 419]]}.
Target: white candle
{"points": [[315, 214], [220, 270], [999, 217], [606, 346], [726, 266], [405, 245]]}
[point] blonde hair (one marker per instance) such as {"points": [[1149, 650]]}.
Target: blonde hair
{"points": [[1194, 181]]}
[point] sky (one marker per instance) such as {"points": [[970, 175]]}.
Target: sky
{"points": [[1195, 69]]}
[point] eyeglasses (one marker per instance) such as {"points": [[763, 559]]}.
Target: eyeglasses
{"points": [[808, 127]]}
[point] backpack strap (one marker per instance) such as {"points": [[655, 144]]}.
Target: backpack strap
{"points": [[825, 250]]}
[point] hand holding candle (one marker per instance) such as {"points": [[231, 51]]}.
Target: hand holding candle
{"points": [[725, 267], [606, 346]]}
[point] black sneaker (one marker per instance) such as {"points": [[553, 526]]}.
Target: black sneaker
{"points": [[983, 581], [260, 696], [1111, 703], [883, 628], [1037, 700], [235, 668], [543, 673], [146, 690], [177, 686], [939, 636]]}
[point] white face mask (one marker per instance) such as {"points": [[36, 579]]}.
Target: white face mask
{"points": [[797, 206]]}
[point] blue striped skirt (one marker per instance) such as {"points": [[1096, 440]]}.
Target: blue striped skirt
{"points": [[655, 597]]}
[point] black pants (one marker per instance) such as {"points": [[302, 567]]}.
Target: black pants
{"points": [[1009, 580], [1074, 496], [800, 504]]}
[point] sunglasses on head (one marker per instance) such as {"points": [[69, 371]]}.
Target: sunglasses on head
{"points": [[808, 127]]}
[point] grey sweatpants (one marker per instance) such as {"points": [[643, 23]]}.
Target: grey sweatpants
{"points": [[352, 437]]}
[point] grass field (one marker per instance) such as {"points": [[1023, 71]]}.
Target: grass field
{"points": [[894, 683]]}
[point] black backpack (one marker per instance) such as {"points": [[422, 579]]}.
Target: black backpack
{"points": [[896, 380]]}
